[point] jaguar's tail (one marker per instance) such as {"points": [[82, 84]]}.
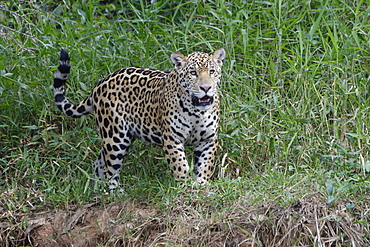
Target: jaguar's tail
{"points": [[60, 79]]}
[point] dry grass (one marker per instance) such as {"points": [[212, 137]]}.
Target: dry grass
{"points": [[308, 222]]}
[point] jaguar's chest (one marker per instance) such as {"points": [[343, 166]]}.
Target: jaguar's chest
{"points": [[197, 128], [188, 124]]}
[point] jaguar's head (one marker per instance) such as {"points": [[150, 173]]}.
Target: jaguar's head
{"points": [[199, 74]]}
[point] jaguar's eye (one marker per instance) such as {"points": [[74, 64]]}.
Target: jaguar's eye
{"points": [[212, 71], [194, 73]]}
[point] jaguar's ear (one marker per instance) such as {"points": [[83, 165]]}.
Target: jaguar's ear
{"points": [[178, 60], [219, 56]]}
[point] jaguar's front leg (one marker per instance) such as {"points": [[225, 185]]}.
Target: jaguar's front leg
{"points": [[204, 159], [176, 159]]}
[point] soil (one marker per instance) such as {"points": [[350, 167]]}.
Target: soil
{"points": [[309, 221]]}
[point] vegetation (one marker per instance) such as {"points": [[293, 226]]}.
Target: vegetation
{"points": [[293, 166]]}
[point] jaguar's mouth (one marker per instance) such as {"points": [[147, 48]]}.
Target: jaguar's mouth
{"points": [[206, 100]]}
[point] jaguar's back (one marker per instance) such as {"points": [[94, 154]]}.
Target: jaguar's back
{"points": [[131, 95]]}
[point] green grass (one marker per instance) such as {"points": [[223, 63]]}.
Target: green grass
{"points": [[295, 97]]}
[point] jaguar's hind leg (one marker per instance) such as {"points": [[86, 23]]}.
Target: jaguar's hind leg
{"points": [[114, 152], [98, 167], [117, 139]]}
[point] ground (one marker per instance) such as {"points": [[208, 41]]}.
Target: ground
{"points": [[309, 221]]}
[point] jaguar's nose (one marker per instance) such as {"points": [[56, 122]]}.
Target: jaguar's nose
{"points": [[205, 88]]}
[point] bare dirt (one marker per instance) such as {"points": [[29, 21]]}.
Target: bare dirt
{"points": [[308, 222]]}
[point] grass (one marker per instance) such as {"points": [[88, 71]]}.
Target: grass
{"points": [[295, 101]]}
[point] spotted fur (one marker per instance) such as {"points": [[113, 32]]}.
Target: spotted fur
{"points": [[170, 109]]}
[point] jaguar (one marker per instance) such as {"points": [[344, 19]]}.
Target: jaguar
{"points": [[172, 109]]}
